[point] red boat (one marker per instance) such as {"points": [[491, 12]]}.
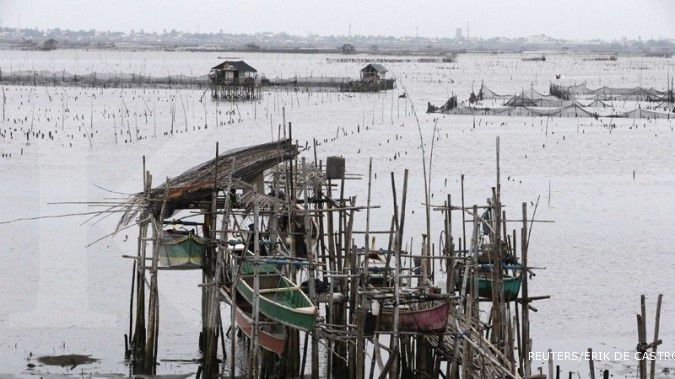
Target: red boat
{"points": [[420, 317], [272, 336]]}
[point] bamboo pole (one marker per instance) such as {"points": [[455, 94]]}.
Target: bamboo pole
{"points": [[652, 369], [140, 331], [463, 247], [397, 281], [254, 369], [550, 364], [525, 308], [642, 338], [591, 363], [212, 304], [361, 313], [134, 273], [150, 352], [311, 272]]}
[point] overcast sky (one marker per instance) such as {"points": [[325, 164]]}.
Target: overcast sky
{"points": [[570, 19]]}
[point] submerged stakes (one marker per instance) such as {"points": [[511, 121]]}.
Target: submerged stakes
{"points": [[265, 221]]}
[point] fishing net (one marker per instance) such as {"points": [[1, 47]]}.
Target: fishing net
{"points": [[100, 79], [610, 93]]}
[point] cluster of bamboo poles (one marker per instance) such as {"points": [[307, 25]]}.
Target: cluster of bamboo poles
{"points": [[646, 354], [304, 225], [318, 243]]}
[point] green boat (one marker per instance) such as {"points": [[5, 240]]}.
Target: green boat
{"points": [[280, 299], [181, 250], [510, 284]]}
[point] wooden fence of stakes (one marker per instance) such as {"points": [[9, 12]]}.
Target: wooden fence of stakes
{"points": [[275, 239]]}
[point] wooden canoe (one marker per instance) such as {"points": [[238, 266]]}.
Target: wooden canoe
{"points": [[424, 317], [510, 284], [280, 299], [271, 336], [181, 250]]}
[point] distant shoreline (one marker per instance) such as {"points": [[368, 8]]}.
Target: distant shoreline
{"points": [[437, 53]]}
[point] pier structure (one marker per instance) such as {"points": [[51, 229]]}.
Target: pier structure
{"points": [[274, 236]]}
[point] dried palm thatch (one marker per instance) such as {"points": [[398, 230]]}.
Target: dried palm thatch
{"points": [[243, 165], [309, 176]]}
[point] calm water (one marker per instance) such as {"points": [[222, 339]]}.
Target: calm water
{"points": [[611, 240]]}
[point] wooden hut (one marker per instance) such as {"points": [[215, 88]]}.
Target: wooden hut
{"points": [[373, 72], [373, 79], [347, 49], [233, 80], [50, 44]]}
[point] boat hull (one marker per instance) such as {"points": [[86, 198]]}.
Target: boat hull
{"points": [[430, 319], [279, 306], [510, 284], [511, 288], [181, 251], [274, 342]]}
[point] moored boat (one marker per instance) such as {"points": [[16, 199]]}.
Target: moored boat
{"points": [[181, 249], [429, 316], [272, 336], [279, 298], [510, 284]]}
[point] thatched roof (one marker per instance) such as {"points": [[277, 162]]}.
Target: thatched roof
{"points": [[243, 164]]}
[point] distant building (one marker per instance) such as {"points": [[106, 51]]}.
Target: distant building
{"points": [[374, 72], [233, 80], [50, 44], [232, 72], [347, 49], [252, 47], [458, 33], [373, 79]]}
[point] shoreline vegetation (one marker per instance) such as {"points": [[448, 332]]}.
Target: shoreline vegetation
{"points": [[52, 39]]}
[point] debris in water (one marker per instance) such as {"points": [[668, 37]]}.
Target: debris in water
{"points": [[72, 360]]}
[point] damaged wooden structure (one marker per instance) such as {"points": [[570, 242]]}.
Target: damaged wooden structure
{"points": [[274, 235]]}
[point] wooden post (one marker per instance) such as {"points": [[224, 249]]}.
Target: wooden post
{"points": [[140, 332], [234, 274], [212, 285], [394, 353], [222, 251], [311, 272], [134, 271], [652, 369], [463, 247], [642, 338], [336, 311], [151, 341], [591, 364], [253, 369], [525, 308], [361, 308], [550, 364], [367, 234]]}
